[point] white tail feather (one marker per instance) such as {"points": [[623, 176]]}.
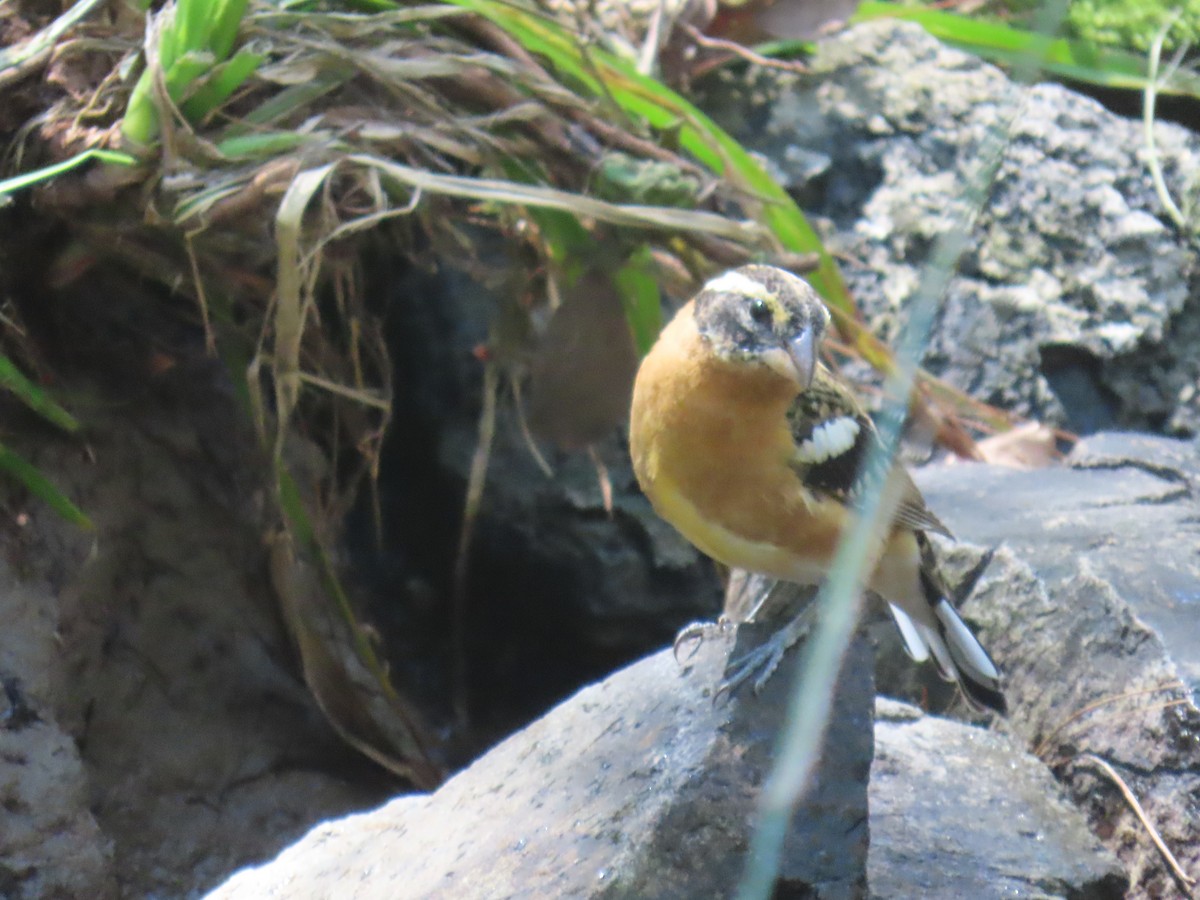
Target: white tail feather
{"points": [[941, 653], [914, 643], [968, 653]]}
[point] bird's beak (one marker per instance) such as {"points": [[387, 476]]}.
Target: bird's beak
{"points": [[803, 351]]}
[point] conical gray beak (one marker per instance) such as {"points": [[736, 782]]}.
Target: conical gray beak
{"points": [[803, 351]]}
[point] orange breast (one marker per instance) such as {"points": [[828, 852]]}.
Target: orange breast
{"points": [[711, 448]]}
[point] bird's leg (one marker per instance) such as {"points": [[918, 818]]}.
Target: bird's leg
{"points": [[761, 662], [771, 596], [746, 597]]}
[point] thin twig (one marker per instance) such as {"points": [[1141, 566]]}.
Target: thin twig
{"points": [[495, 190], [626, 140], [210, 341], [1056, 762], [1150, 96], [526, 434], [1044, 746], [737, 49], [603, 478], [1185, 881], [648, 58], [475, 483]]}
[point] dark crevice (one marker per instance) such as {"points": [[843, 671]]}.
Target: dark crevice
{"points": [[1074, 375]]}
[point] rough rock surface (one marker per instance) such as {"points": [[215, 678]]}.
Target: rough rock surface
{"points": [[640, 786], [50, 843], [154, 733], [961, 812], [1077, 301], [1089, 603]]}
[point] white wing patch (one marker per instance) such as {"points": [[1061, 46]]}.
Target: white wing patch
{"points": [[829, 439], [734, 282]]}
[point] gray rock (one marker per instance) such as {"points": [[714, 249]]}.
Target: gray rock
{"points": [[640, 786], [1088, 603], [1077, 302], [50, 844], [152, 733], [961, 812]]}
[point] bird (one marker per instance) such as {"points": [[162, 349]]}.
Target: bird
{"points": [[746, 443]]}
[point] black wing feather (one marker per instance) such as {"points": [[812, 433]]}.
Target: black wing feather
{"points": [[841, 476]]}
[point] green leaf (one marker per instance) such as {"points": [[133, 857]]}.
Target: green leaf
{"points": [[636, 283], [566, 242], [170, 43], [1078, 60], [256, 146], [38, 485], [194, 43], [140, 124], [290, 99], [642, 99], [221, 84], [37, 176], [223, 26], [180, 75], [17, 54], [34, 397]]}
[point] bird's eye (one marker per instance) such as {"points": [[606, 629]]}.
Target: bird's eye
{"points": [[759, 311]]}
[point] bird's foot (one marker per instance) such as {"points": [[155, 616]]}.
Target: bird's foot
{"points": [[691, 637], [760, 663]]}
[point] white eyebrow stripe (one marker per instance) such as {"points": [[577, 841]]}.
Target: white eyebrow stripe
{"points": [[829, 439], [734, 282]]}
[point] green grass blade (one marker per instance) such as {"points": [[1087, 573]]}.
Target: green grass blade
{"points": [[30, 179], [564, 240], [492, 190], [38, 485], [140, 123], [606, 76], [261, 146], [13, 57], [193, 43], [184, 71], [225, 21], [1078, 60], [193, 25], [34, 397], [290, 99], [221, 84]]}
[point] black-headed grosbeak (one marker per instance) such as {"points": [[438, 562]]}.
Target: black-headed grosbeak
{"points": [[746, 443]]}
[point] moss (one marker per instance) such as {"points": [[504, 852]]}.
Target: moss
{"points": [[1132, 24]]}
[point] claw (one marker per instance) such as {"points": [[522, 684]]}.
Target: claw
{"points": [[695, 634]]}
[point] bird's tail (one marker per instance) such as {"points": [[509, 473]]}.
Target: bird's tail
{"points": [[955, 649]]}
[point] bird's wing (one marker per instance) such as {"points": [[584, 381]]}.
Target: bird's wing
{"points": [[833, 437]]}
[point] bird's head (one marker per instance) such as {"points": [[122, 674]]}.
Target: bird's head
{"points": [[761, 315]]}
